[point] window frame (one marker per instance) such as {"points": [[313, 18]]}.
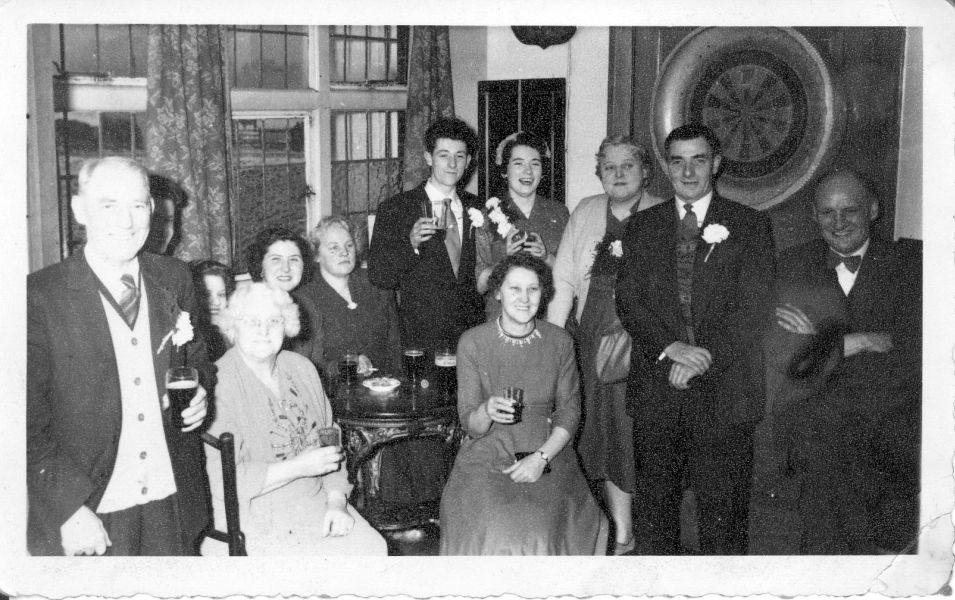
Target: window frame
{"points": [[128, 94]]}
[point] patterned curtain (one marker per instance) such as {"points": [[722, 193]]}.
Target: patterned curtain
{"points": [[188, 132], [430, 95]]}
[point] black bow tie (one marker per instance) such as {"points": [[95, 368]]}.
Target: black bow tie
{"points": [[852, 263]]}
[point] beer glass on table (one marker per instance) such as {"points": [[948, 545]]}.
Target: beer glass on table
{"points": [[446, 363], [414, 364], [348, 368]]}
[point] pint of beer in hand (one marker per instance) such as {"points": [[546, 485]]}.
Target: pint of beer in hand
{"points": [[181, 386]]}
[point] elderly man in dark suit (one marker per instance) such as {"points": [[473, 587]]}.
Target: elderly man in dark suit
{"points": [[432, 269], [107, 470], [695, 294], [849, 315]]}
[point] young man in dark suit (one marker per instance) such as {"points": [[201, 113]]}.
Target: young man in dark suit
{"points": [[695, 294], [854, 436], [107, 470], [433, 272], [432, 269]]}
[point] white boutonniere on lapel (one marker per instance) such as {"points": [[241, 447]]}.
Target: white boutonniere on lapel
{"points": [[181, 332], [713, 234], [616, 249], [477, 218]]}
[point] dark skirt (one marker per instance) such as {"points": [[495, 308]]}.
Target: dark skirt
{"points": [[605, 441]]}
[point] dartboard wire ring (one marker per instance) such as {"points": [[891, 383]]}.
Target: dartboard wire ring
{"points": [[685, 68]]}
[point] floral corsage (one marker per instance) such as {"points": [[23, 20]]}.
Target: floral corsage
{"points": [[496, 215], [476, 217], [713, 234], [608, 254], [181, 332]]}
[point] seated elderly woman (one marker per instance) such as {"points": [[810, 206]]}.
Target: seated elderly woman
{"points": [[292, 491]]}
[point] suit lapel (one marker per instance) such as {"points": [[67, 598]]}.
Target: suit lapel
{"points": [[468, 249], [163, 312], [706, 270], [92, 328], [827, 276], [466, 232], [864, 288], [659, 236]]}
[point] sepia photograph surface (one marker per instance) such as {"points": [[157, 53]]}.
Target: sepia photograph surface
{"points": [[327, 107]]}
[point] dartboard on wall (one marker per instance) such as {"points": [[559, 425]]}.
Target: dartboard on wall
{"points": [[769, 97]]}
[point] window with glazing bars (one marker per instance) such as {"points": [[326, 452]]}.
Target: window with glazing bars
{"points": [[272, 188], [366, 161], [369, 54]]}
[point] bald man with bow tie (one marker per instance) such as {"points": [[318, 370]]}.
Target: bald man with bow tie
{"points": [[848, 339]]}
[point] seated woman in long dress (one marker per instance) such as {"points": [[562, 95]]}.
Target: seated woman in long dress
{"points": [[495, 503], [292, 491]]}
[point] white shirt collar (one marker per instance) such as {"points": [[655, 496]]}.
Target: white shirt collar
{"points": [[700, 207], [109, 274], [860, 252], [847, 279], [436, 195]]}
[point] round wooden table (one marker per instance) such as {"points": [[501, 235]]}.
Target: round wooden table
{"points": [[370, 421]]}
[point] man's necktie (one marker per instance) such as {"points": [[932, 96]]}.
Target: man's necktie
{"points": [[129, 300], [690, 225], [685, 257], [852, 263], [452, 238]]}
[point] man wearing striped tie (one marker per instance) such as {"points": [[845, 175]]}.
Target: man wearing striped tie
{"points": [[433, 272], [432, 268], [107, 471]]}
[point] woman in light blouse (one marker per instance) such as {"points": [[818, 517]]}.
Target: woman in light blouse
{"points": [[605, 444]]}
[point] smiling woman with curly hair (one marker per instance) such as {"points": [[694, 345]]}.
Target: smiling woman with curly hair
{"points": [[516, 487]]}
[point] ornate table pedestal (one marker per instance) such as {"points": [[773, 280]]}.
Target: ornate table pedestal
{"points": [[370, 421]]}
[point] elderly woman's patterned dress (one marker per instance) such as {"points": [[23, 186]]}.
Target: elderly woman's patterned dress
{"points": [[267, 429]]}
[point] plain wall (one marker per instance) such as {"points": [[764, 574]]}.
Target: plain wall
{"points": [[468, 66], [493, 53]]}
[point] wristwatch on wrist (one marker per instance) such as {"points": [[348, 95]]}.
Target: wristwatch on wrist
{"points": [[544, 456]]}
